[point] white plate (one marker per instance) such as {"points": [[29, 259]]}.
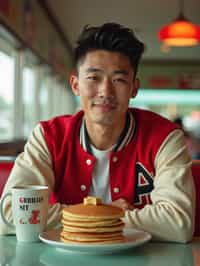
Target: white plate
{"points": [[134, 238]]}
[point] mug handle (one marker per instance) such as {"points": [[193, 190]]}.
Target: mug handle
{"points": [[1, 210]]}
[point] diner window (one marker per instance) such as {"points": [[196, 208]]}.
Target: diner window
{"points": [[6, 94], [57, 95], [44, 94], [64, 100], [29, 86], [69, 105]]}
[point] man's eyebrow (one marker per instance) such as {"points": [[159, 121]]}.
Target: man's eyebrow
{"points": [[93, 70], [124, 72]]}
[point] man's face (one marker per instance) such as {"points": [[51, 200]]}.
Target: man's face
{"points": [[105, 83]]}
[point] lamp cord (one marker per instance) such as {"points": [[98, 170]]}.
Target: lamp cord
{"points": [[181, 6]]}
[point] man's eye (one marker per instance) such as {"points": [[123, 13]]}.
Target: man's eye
{"points": [[121, 80], [92, 78]]}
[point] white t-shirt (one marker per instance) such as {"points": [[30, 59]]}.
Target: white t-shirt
{"points": [[100, 178]]}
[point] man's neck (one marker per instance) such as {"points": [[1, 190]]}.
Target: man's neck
{"points": [[102, 136]]}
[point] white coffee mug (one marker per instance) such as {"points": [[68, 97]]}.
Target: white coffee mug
{"points": [[29, 210]]}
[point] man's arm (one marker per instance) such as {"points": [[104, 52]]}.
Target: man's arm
{"points": [[33, 166], [170, 217]]}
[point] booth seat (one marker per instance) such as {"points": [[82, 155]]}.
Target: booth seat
{"points": [[196, 175], [6, 164]]}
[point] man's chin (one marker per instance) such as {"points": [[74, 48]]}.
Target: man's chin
{"points": [[103, 120]]}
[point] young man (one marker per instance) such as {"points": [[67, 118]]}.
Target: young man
{"points": [[131, 158]]}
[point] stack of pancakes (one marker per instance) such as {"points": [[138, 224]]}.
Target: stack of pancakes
{"points": [[92, 222]]}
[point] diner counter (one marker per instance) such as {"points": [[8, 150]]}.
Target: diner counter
{"points": [[152, 254]]}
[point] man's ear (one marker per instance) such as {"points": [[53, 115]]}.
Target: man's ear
{"points": [[136, 85], [73, 80]]}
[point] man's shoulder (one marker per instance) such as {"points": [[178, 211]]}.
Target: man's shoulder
{"points": [[63, 119], [62, 123], [147, 115]]}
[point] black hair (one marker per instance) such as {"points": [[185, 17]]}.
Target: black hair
{"points": [[111, 37]]}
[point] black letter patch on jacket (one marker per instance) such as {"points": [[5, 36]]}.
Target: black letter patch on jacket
{"points": [[144, 186]]}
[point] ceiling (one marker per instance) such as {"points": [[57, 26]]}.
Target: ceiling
{"points": [[143, 16]]}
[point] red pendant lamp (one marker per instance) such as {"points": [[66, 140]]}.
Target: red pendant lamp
{"points": [[180, 32]]}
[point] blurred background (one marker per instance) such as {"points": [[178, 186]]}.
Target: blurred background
{"points": [[36, 44]]}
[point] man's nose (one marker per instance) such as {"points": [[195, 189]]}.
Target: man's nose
{"points": [[106, 88]]}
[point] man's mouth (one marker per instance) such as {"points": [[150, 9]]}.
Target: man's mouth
{"points": [[104, 104], [104, 107]]}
